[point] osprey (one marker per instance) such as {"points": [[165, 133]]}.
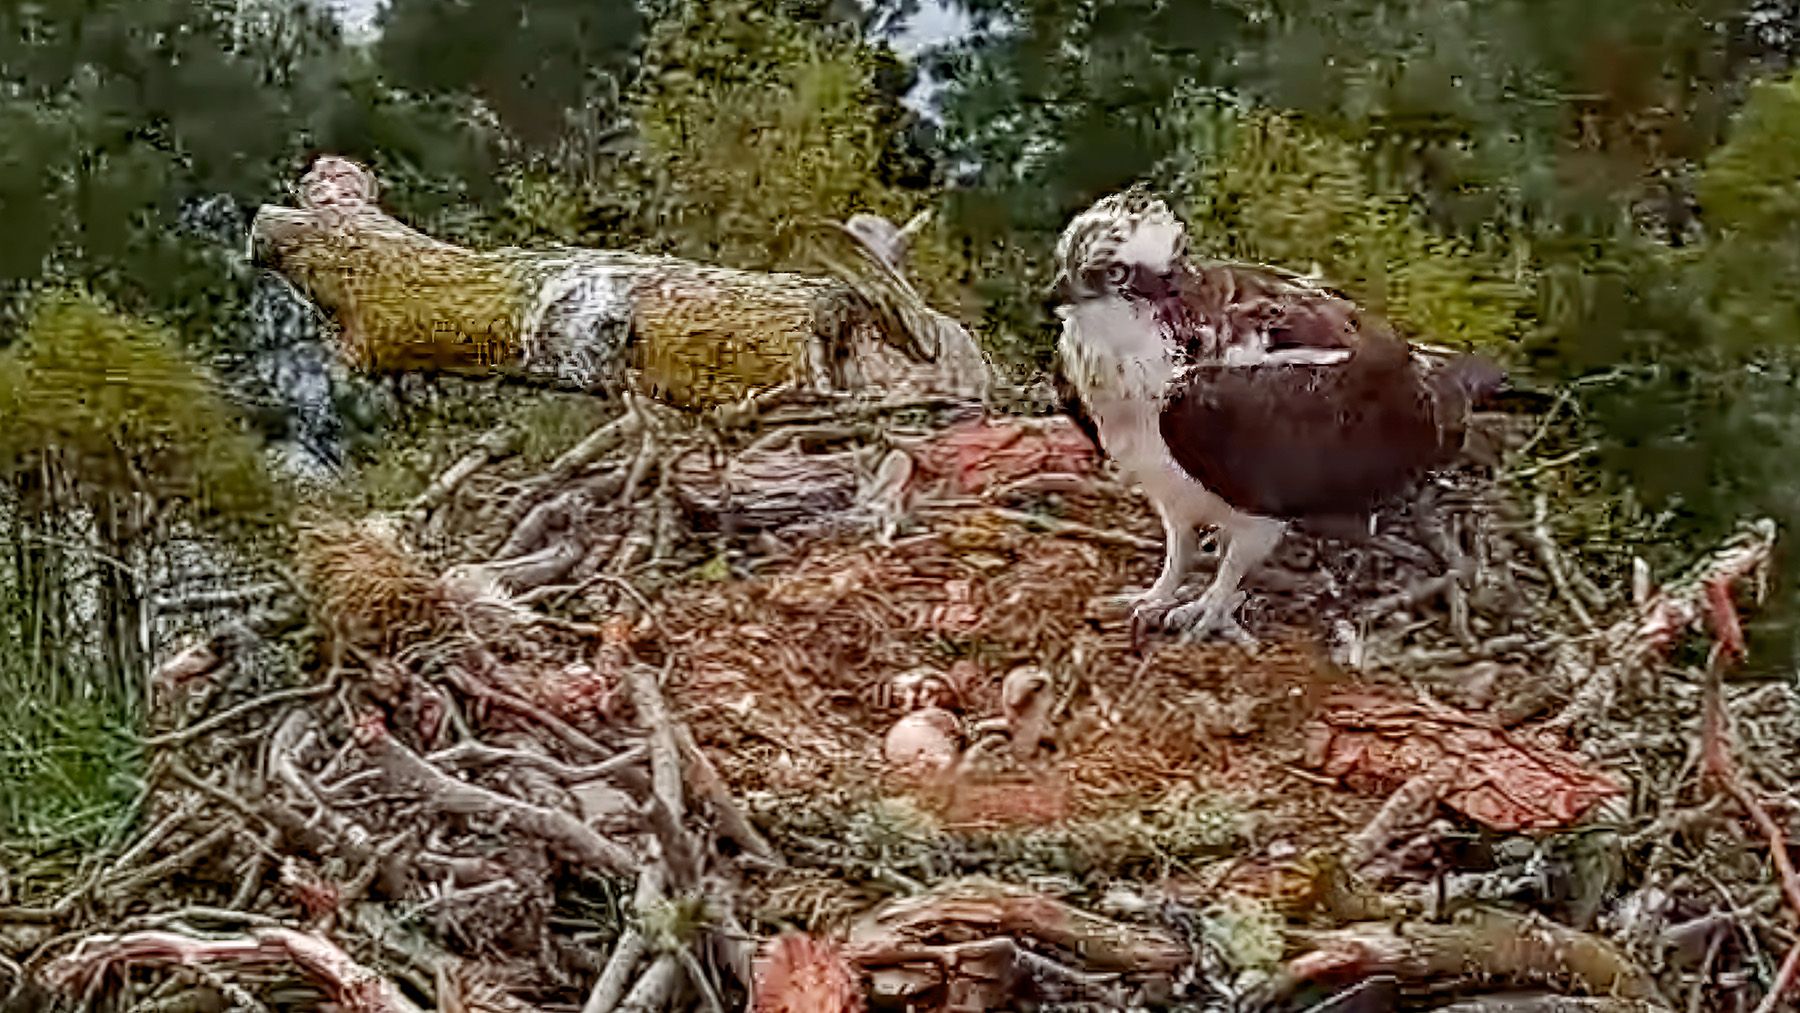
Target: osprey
{"points": [[1242, 398]]}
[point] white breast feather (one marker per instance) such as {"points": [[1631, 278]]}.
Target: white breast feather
{"points": [[1116, 356]]}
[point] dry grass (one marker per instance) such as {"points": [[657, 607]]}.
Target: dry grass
{"points": [[365, 586]]}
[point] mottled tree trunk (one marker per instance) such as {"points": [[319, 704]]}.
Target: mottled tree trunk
{"points": [[42, 590], [694, 335], [121, 603]]}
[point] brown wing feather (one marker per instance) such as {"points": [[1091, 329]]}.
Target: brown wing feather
{"points": [[1293, 441], [1223, 304]]}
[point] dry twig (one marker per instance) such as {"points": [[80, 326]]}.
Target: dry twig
{"points": [[568, 836], [1720, 769]]}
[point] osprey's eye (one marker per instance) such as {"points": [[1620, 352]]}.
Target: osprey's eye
{"points": [[1117, 274]]}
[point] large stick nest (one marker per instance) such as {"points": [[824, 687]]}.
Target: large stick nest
{"points": [[569, 740], [819, 700]]}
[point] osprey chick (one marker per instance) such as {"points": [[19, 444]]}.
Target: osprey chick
{"points": [[1238, 397]]}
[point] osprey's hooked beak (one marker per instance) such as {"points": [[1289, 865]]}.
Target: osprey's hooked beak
{"points": [[1151, 286], [1060, 288]]}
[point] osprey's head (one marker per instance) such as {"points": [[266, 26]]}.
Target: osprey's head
{"points": [[1129, 245]]}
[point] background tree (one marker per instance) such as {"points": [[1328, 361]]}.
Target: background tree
{"points": [[745, 118], [126, 175], [551, 75], [1276, 190], [753, 119], [1047, 105], [118, 452]]}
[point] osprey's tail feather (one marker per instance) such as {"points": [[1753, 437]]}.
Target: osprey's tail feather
{"points": [[1478, 377]]}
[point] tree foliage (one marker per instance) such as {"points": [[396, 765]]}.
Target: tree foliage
{"points": [[1560, 127], [1701, 424], [120, 115], [1283, 192], [1749, 191], [117, 407], [752, 119], [551, 72], [1054, 102]]}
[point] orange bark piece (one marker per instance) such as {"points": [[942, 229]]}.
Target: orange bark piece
{"points": [[974, 456], [1378, 742], [800, 974]]}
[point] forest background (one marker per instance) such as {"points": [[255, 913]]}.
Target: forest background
{"points": [[1603, 194]]}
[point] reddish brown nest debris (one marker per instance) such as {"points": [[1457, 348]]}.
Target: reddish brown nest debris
{"points": [[799, 974], [783, 677]]}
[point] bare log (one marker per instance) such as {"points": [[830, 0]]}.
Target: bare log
{"points": [[610, 988], [491, 446], [1515, 1003], [733, 824], [525, 572], [761, 490], [602, 320], [533, 522], [873, 268], [473, 753], [473, 685], [220, 720], [668, 803], [656, 989], [960, 946], [896, 932]]}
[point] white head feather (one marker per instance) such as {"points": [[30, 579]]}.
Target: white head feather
{"points": [[1101, 245]]}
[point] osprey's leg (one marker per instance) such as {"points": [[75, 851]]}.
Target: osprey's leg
{"points": [[1248, 542], [1180, 542]]}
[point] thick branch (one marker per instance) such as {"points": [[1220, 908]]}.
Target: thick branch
{"points": [[571, 839], [350, 985]]}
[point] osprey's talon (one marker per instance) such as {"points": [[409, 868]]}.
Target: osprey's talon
{"points": [[1149, 614], [1154, 612], [1206, 618]]}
